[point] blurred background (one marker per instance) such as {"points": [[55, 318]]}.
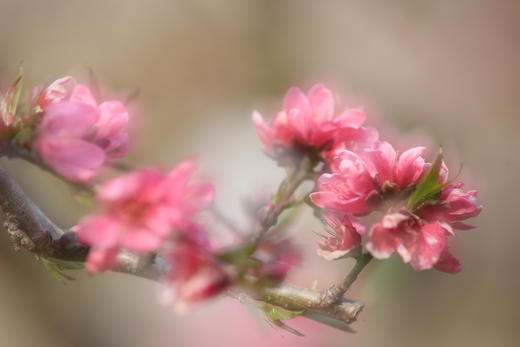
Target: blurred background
{"points": [[441, 71]]}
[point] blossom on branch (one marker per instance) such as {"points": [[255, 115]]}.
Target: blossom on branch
{"points": [[310, 121], [421, 210], [195, 274], [358, 180], [77, 135], [141, 211], [343, 239]]}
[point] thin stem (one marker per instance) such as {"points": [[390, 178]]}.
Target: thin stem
{"points": [[226, 221], [30, 157], [283, 198], [335, 293]]}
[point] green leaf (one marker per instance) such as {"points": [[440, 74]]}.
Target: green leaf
{"points": [[9, 101], [285, 327], [332, 322], [277, 313], [24, 135], [427, 190], [238, 255], [67, 264], [18, 85], [56, 268], [85, 198]]}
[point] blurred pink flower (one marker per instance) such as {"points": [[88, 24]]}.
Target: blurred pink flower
{"points": [[310, 120], [344, 237], [58, 91], [76, 135], [276, 259], [195, 273], [141, 210]]}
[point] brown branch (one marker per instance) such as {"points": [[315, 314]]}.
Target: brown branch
{"points": [[33, 230], [22, 218], [297, 298]]}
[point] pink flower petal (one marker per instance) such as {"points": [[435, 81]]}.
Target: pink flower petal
{"points": [[68, 119], [262, 130], [448, 263], [381, 243], [76, 160], [100, 259], [410, 167], [295, 99], [99, 230], [351, 118], [113, 119], [322, 103], [428, 247], [140, 240], [82, 94]]}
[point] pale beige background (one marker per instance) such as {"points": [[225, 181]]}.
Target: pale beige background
{"points": [[449, 69]]}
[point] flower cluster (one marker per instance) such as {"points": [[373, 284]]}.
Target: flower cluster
{"points": [[419, 208], [65, 126], [148, 212], [156, 215]]}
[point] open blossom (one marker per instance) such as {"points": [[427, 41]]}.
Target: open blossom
{"points": [[355, 177], [309, 120], [77, 135], [419, 244], [455, 205], [420, 238], [141, 210], [195, 273], [343, 239]]}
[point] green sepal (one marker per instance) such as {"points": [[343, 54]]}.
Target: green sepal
{"points": [[56, 268], [9, 101], [24, 135], [238, 255], [276, 315], [427, 190], [273, 312], [332, 322]]}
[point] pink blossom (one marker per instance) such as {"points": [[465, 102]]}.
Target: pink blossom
{"points": [[310, 120], [419, 244], [76, 135], [344, 237], [385, 165], [347, 190], [195, 274], [454, 206], [58, 91], [141, 210], [421, 238], [355, 177]]}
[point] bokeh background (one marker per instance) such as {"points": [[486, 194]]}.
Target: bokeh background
{"points": [[441, 71]]}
